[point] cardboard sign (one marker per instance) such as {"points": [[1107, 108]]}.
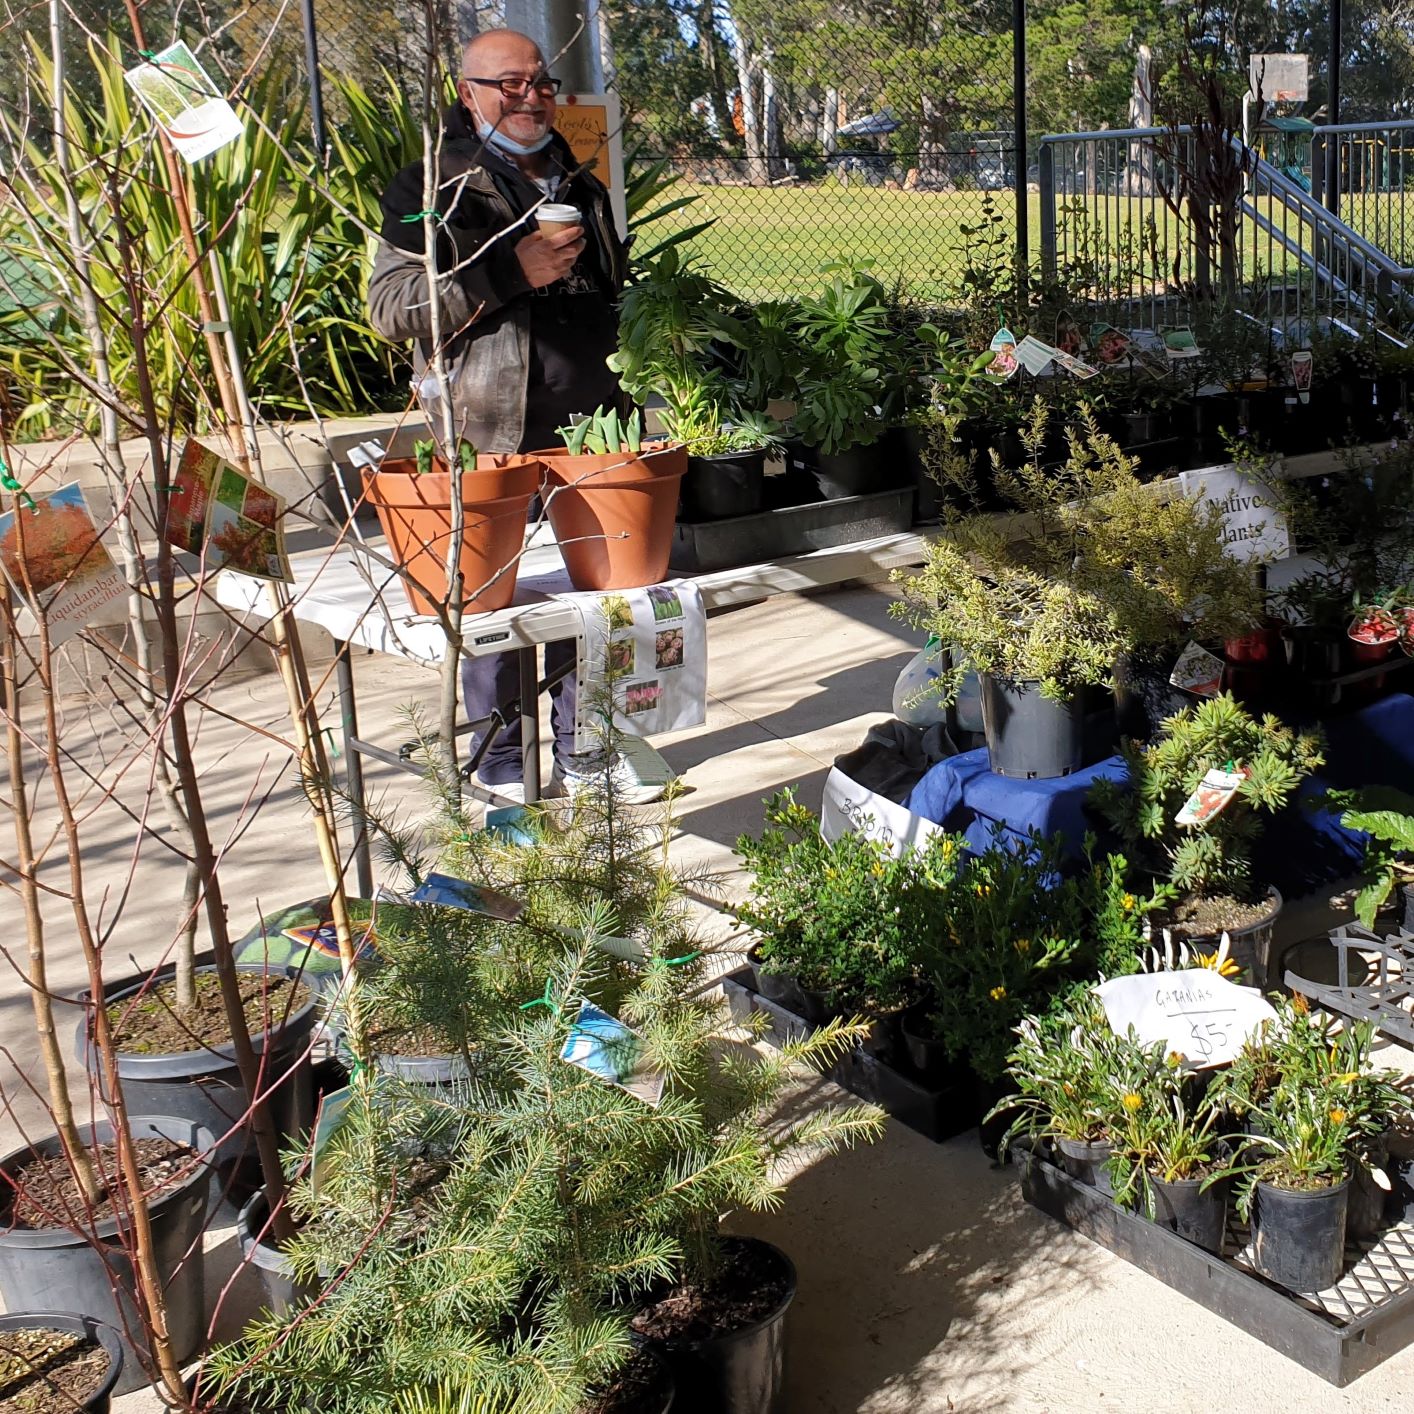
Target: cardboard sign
{"points": [[850, 808], [1196, 1013], [55, 546], [1254, 528], [187, 105], [591, 124]]}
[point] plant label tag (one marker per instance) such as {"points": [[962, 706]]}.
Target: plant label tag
{"points": [[1195, 1013], [444, 890], [1034, 356], [1211, 798], [1180, 343], [1110, 345], [1070, 338], [186, 103], [1301, 368], [1004, 361], [1198, 671], [605, 1047]]}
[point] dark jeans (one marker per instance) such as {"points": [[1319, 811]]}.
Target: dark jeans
{"points": [[489, 681]]}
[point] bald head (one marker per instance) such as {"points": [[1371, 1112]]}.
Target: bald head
{"points": [[495, 46]]}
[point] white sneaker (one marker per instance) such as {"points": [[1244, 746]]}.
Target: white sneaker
{"points": [[581, 773], [507, 793]]}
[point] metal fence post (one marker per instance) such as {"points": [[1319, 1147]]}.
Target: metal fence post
{"points": [[1023, 215], [1047, 182]]}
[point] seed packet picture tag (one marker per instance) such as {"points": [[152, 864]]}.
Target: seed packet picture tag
{"points": [[1004, 362], [52, 551], [604, 1046]]}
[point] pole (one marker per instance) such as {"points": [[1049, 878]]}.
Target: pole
{"points": [[1333, 114], [563, 37], [316, 83], [1018, 59]]}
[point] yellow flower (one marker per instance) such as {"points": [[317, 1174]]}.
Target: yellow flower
{"points": [[1299, 1003], [1337, 1116], [1131, 1101], [1127, 903], [829, 873], [1227, 968], [1349, 1078], [1022, 945], [1173, 1060], [982, 889], [878, 870], [998, 994], [948, 847]]}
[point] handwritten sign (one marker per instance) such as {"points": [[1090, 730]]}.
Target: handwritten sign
{"points": [[850, 808], [1196, 1013], [592, 125], [1253, 527]]}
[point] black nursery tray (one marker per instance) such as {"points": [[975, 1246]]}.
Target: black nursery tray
{"points": [[702, 546], [1338, 1334], [936, 1114]]}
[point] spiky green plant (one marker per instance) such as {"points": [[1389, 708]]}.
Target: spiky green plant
{"points": [[1214, 858]]}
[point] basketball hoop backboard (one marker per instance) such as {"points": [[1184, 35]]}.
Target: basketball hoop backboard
{"points": [[1281, 78]]}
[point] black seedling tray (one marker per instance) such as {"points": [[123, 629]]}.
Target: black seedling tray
{"points": [[936, 1114], [702, 546], [1337, 1334]]}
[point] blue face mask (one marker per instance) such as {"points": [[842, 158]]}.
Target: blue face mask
{"points": [[492, 136]]}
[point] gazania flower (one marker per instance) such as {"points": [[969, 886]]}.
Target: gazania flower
{"points": [[1131, 1101], [997, 994], [1337, 1116]]}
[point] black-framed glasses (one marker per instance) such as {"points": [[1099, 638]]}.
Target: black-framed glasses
{"points": [[544, 85]]}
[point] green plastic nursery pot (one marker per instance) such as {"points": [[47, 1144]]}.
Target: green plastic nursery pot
{"points": [[1085, 1162], [1031, 737], [1298, 1239], [94, 1332], [64, 1270], [1184, 1206], [741, 1371], [204, 1085]]}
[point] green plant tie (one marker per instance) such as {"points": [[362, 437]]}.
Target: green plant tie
{"points": [[11, 483], [149, 54], [413, 216], [676, 961], [547, 1000]]}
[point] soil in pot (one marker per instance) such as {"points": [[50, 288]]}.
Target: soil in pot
{"points": [[613, 514], [725, 1339], [152, 1026], [1184, 1206], [45, 1190], [48, 1370], [642, 1386], [1298, 1238], [416, 515]]}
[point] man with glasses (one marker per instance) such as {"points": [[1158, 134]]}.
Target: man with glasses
{"points": [[527, 317]]}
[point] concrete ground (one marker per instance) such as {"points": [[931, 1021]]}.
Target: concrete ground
{"points": [[927, 1284]]}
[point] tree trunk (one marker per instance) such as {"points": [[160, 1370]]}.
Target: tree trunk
{"points": [[710, 41], [771, 121], [746, 73], [830, 120]]}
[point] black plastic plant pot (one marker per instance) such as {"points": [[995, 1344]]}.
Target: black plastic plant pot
{"points": [[884, 1039], [775, 986], [742, 1372], [991, 1132], [1409, 908], [651, 1390], [926, 1054], [1184, 1206], [1298, 1238], [97, 1333], [1031, 737], [1144, 696], [204, 1086], [53, 1267], [717, 488], [858, 470], [817, 1007], [1365, 1213], [283, 1293], [1085, 1162]]}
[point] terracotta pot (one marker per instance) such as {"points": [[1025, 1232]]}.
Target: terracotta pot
{"points": [[416, 516], [614, 516]]}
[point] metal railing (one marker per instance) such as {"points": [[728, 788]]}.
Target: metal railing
{"points": [[1118, 227], [1364, 172]]}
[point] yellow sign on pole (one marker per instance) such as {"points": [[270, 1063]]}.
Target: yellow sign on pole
{"points": [[591, 124]]}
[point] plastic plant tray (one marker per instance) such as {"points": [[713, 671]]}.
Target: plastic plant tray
{"points": [[702, 546], [1338, 1334], [936, 1114]]}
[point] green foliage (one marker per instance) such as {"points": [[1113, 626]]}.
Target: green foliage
{"points": [[604, 432], [1214, 858], [1386, 815], [844, 919], [1101, 564], [292, 260]]}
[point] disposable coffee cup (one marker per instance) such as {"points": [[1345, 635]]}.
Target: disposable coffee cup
{"points": [[557, 216]]}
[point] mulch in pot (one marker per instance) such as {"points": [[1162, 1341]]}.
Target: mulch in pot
{"points": [[45, 1189], [1208, 917], [152, 1025], [46, 1371], [747, 1287], [639, 1387]]}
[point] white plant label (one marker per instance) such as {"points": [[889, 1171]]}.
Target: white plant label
{"points": [[848, 807], [1196, 1013], [181, 96], [1253, 529], [1198, 671]]}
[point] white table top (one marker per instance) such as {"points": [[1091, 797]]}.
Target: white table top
{"points": [[358, 600]]}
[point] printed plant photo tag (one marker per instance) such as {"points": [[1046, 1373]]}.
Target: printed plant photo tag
{"points": [[1004, 362], [1198, 671], [1109, 345], [1180, 343], [1215, 791], [1302, 365], [185, 102], [51, 548], [1034, 356], [605, 1047], [1070, 339], [448, 892]]}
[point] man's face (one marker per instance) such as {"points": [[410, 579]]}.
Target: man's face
{"points": [[525, 117]]}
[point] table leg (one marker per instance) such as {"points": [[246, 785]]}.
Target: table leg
{"points": [[530, 721], [353, 765]]}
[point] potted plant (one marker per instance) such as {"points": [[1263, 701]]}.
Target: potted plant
{"points": [[55, 1360], [1207, 859], [1386, 816], [413, 499], [612, 499]]}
